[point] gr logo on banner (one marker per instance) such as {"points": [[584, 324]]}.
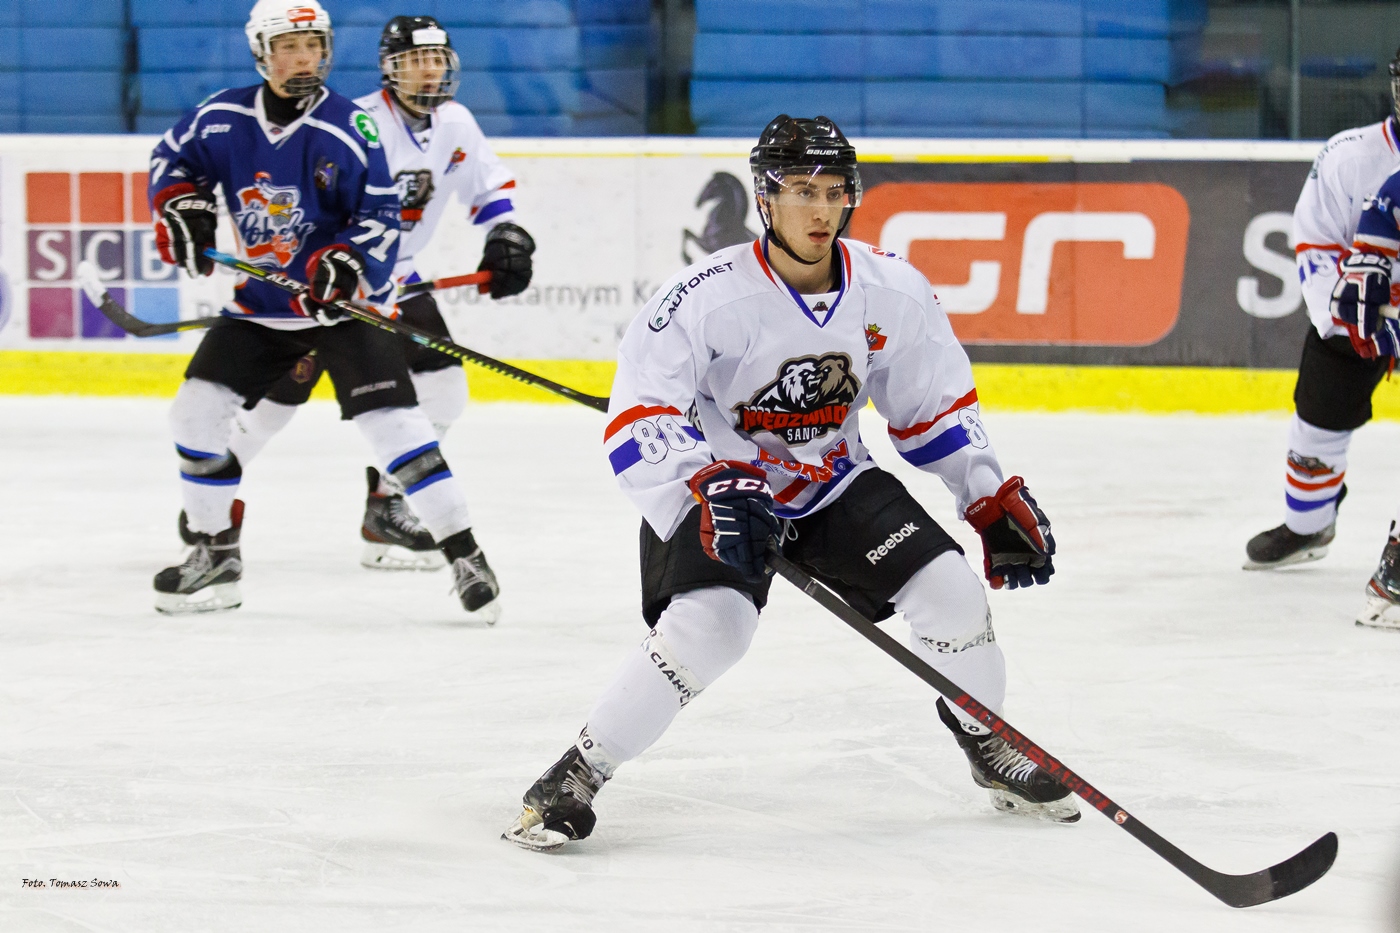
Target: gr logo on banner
{"points": [[1080, 264]]}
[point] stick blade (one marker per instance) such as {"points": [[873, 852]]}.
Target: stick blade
{"points": [[1287, 877]]}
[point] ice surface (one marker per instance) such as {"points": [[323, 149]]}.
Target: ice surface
{"points": [[342, 753]]}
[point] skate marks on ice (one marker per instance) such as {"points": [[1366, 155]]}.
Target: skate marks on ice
{"points": [[341, 753]]}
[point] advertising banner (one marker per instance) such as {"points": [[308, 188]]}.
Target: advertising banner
{"points": [[1128, 253]]}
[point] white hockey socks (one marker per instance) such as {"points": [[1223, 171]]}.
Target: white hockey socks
{"points": [[1316, 466], [200, 419], [253, 429], [442, 394], [405, 445], [702, 634], [951, 628]]}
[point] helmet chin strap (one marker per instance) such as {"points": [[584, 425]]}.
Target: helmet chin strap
{"points": [[773, 237]]}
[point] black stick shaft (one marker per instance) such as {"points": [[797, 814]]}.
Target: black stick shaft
{"points": [[432, 342], [1237, 891]]}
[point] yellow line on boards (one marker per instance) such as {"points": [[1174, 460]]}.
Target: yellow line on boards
{"points": [[960, 158], [1000, 386]]}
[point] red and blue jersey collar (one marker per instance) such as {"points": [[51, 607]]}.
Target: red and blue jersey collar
{"points": [[843, 273], [1389, 128]]}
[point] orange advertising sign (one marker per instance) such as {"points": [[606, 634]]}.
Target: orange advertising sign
{"points": [[1078, 264]]}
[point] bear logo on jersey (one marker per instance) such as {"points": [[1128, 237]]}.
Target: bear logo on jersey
{"points": [[415, 191], [270, 220], [811, 396]]}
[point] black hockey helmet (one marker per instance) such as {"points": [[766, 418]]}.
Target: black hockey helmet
{"points": [[793, 147], [410, 45], [1395, 85]]}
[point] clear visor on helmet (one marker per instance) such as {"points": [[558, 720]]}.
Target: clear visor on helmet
{"points": [[423, 77], [812, 186], [281, 61]]}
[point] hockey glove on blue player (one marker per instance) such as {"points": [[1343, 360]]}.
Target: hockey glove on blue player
{"points": [[1016, 540], [333, 274], [737, 518], [1359, 301], [507, 256], [186, 220]]}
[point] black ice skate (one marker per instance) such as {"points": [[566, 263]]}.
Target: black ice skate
{"points": [[472, 578], [1281, 546], [394, 540], [208, 579], [1383, 592], [1015, 783], [559, 807]]}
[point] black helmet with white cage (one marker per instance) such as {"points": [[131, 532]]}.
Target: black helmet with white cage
{"points": [[792, 149], [1395, 85], [417, 62]]}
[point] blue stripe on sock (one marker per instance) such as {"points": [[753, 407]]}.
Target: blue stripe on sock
{"points": [[190, 454], [206, 481], [410, 455], [426, 482], [1302, 505]]}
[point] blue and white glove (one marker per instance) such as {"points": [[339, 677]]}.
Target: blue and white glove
{"points": [[1359, 302]]}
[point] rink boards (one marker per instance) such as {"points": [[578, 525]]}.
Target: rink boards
{"points": [[1099, 275]]}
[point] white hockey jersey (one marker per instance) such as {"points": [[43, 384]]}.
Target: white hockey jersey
{"points": [[728, 362], [1349, 169], [451, 155]]}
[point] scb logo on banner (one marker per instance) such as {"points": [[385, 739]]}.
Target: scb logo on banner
{"points": [[101, 217]]}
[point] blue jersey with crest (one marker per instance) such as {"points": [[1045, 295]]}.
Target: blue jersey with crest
{"points": [[291, 190]]}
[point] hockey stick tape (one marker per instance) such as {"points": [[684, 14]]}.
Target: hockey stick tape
{"points": [[1391, 311], [90, 281]]}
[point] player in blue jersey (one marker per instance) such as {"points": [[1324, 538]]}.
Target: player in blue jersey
{"points": [[304, 177], [435, 150], [1363, 306]]}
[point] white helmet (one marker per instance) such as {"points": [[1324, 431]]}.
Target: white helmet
{"points": [[272, 18]]}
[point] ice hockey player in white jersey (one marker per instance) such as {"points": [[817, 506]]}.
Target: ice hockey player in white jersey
{"points": [[303, 174], [435, 149], [1337, 374], [734, 421]]}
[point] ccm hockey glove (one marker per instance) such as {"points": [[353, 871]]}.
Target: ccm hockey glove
{"points": [[507, 257], [1359, 300], [186, 220], [737, 518], [1016, 540], [333, 274]]}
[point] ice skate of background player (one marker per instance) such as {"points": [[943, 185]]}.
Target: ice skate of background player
{"points": [[1342, 268], [434, 148], [336, 229], [736, 404]]}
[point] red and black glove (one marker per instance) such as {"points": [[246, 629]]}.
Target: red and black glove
{"points": [[186, 220], [1359, 302], [507, 256], [737, 518], [1016, 540], [332, 274]]}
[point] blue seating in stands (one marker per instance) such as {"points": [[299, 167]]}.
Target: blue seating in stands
{"points": [[941, 67], [90, 13], [545, 67]]}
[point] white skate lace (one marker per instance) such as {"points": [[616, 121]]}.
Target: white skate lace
{"points": [[1008, 762], [579, 786], [196, 567], [402, 518], [466, 572]]}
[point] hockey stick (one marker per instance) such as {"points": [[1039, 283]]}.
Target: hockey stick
{"points": [[454, 281], [1287, 877], [91, 284], [441, 344]]}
